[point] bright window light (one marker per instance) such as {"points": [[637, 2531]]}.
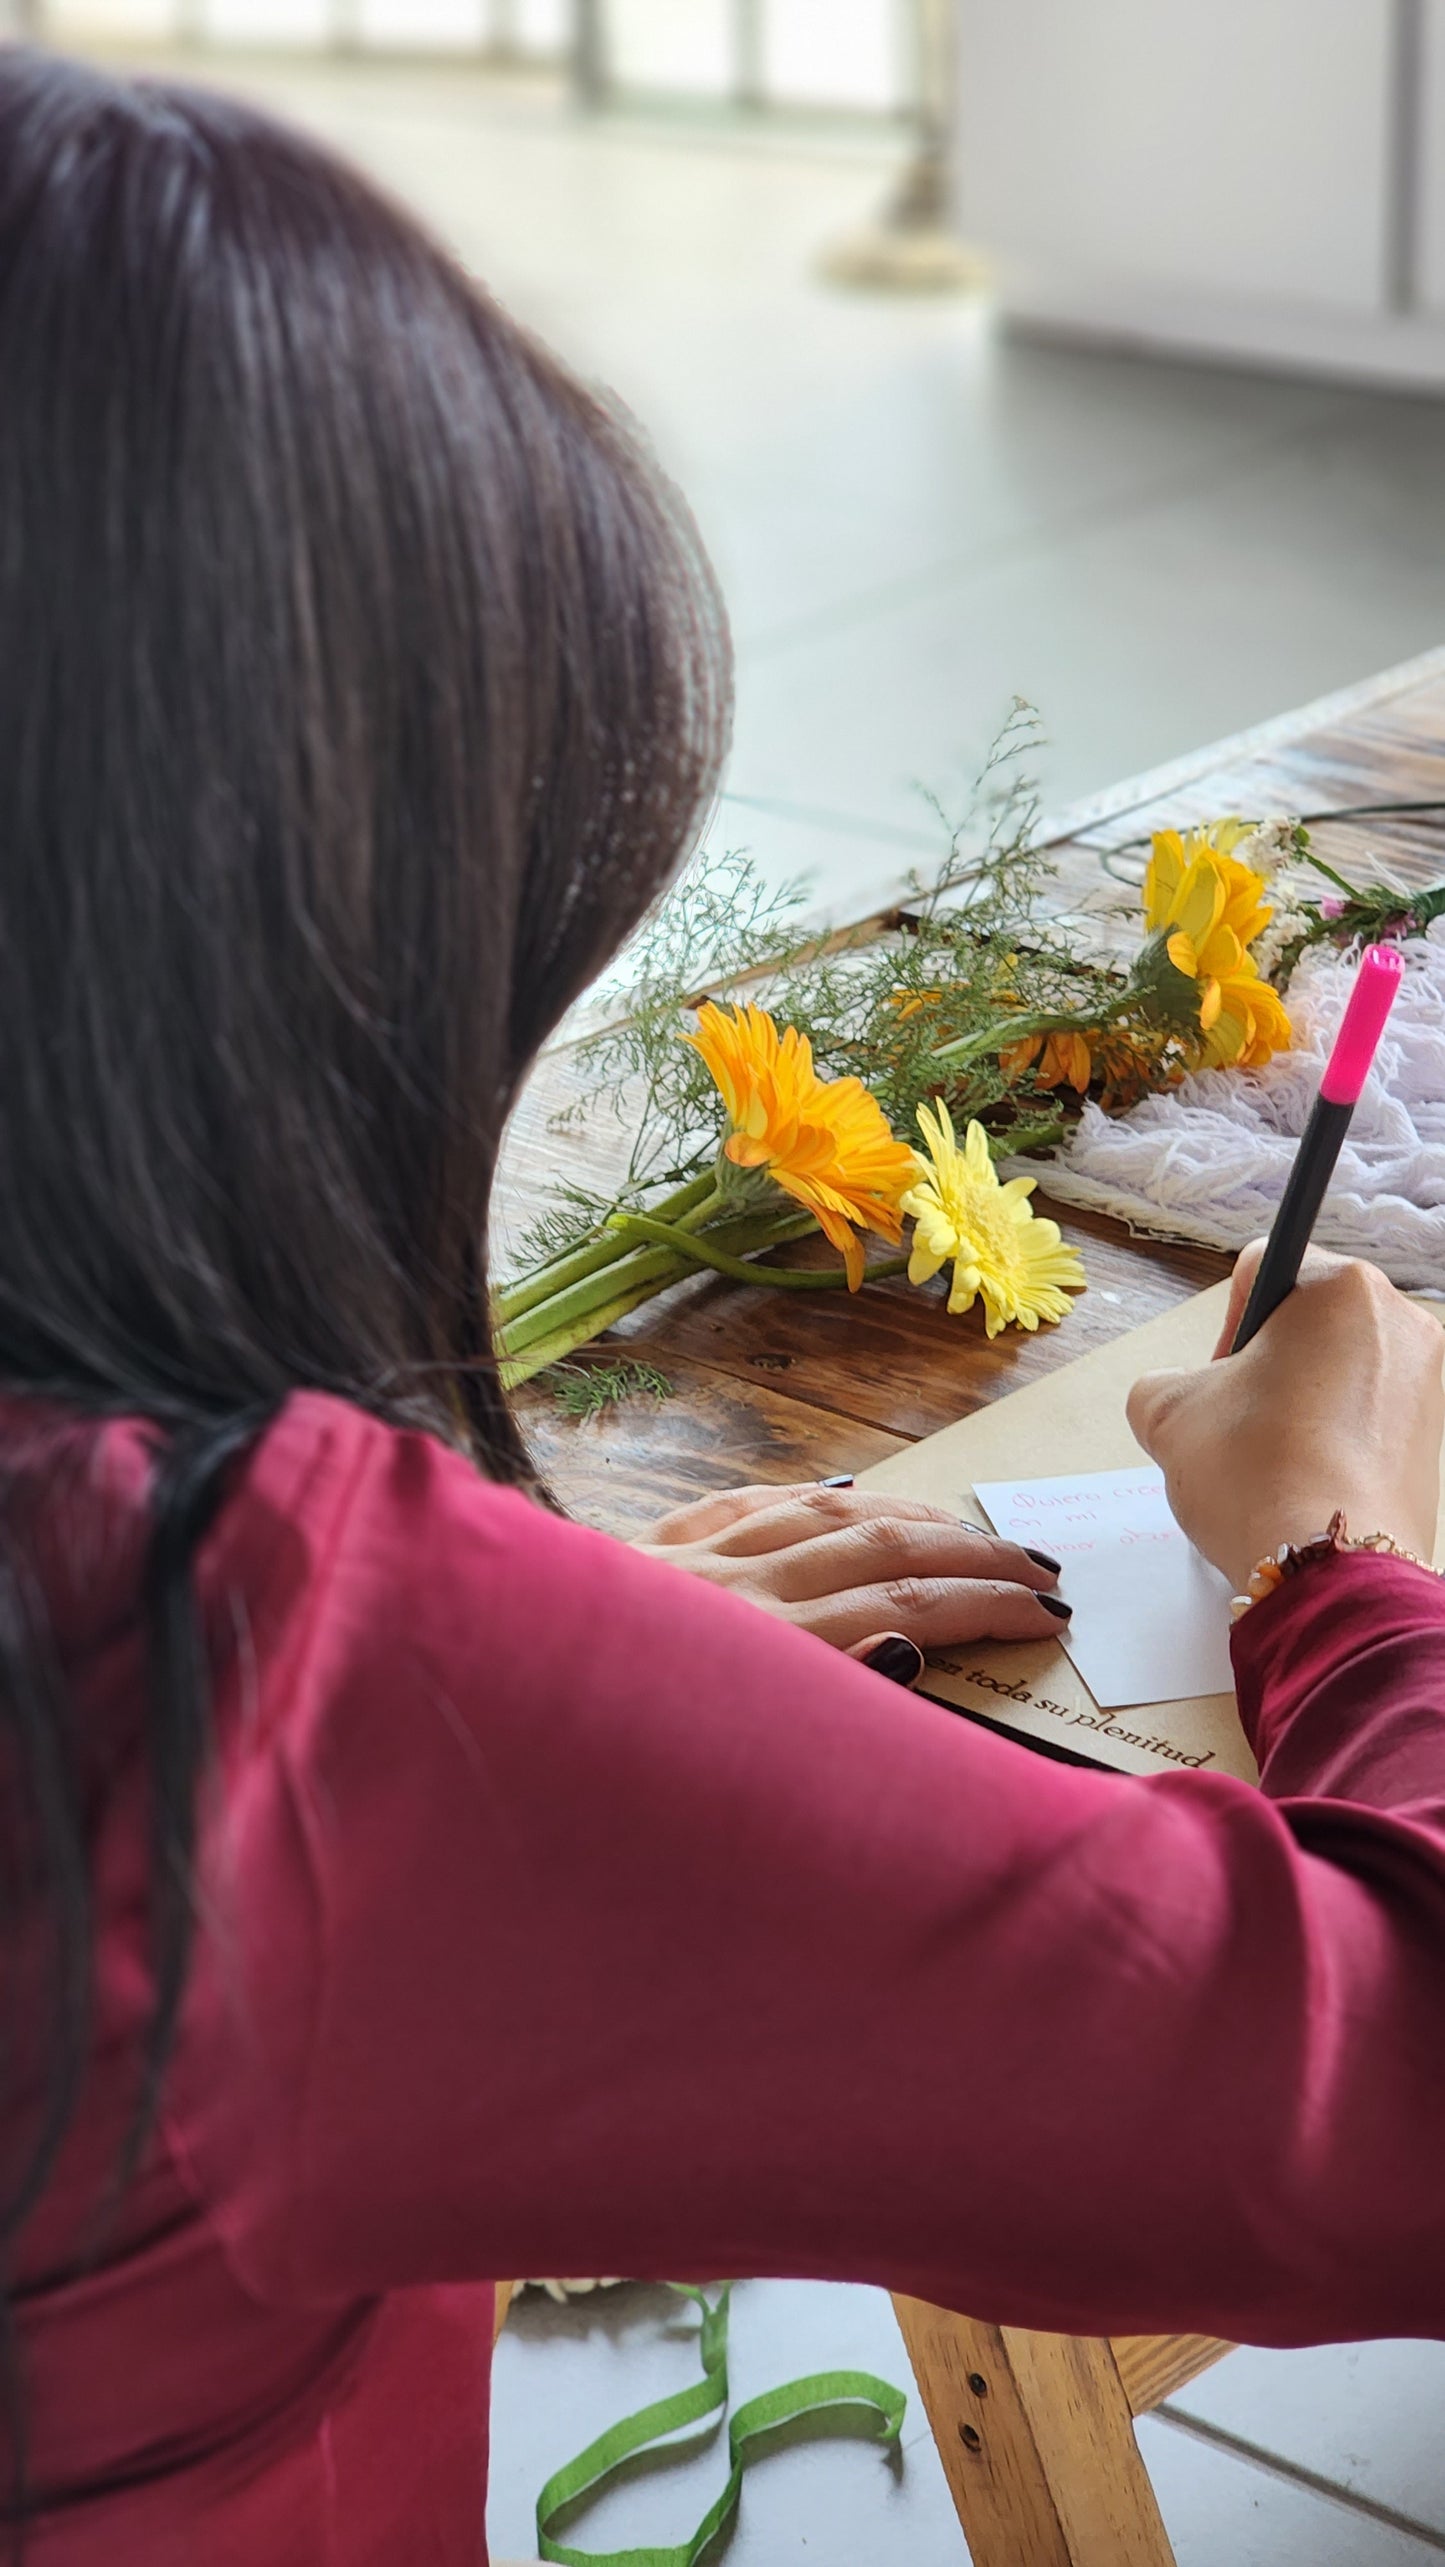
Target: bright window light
{"points": [[837, 53], [657, 44]]}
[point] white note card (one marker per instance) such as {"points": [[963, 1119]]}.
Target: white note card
{"points": [[1151, 1617]]}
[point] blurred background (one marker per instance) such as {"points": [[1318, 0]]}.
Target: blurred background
{"points": [[1162, 455]]}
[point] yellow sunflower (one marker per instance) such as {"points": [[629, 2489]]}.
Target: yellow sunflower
{"points": [[998, 1247], [826, 1142], [1209, 908]]}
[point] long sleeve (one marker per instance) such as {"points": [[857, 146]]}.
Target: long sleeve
{"points": [[573, 1917]]}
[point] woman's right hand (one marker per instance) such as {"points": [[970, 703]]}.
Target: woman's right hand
{"points": [[1337, 1402]]}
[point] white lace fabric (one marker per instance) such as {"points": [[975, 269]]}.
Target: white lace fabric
{"points": [[1208, 1162]]}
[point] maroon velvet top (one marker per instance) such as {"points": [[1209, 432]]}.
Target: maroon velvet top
{"points": [[562, 1915]]}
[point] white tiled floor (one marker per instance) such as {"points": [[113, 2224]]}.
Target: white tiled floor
{"points": [[1365, 2418], [1369, 2417], [1220, 2511], [914, 521]]}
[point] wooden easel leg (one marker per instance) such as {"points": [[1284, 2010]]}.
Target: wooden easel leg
{"points": [[1037, 2442]]}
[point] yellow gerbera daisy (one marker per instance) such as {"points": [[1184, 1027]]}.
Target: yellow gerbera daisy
{"points": [[1208, 907], [826, 1142], [1180, 868], [999, 1248], [1252, 1023]]}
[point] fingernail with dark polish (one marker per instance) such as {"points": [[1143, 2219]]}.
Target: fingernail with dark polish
{"points": [[1055, 1604], [837, 1480], [1041, 1560], [897, 1659]]}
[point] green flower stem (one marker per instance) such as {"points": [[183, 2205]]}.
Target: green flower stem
{"points": [[1006, 1031], [650, 1267], [1330, 875], [1029, 1136], [749, 1231], [694, 1202], [601, 1279], [517, 1368], [588, 1308], [778, 1278]]}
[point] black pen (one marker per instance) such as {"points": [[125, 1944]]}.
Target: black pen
{"points": [[1382, 968]]}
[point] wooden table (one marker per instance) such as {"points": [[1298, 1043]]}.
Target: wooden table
{"points": [[1034, 2431]]}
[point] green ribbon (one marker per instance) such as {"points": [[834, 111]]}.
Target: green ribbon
{"points": [[583, 2477]]}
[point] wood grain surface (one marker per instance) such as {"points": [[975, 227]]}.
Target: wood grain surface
{"points": [[1152, 2367], [1037, 2443]]}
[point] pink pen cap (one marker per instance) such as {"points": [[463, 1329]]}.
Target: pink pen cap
{"points": [[1382, 968]]}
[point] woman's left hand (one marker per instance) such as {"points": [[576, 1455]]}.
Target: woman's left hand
{"points": [[865, 1571]]}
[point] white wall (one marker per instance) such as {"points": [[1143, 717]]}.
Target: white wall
{"points": [[1231, 147], [1430, 251]]}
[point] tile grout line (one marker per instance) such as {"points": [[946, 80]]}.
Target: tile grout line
{"points": [[1236, 2444]]}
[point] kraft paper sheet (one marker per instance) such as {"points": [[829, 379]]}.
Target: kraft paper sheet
{"points": [[1072, 1420]]}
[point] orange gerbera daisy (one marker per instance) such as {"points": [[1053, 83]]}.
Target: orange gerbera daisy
{"points": [[1057, 1060], [826, 1142]]}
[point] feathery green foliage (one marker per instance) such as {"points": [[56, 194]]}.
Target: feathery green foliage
{"points": [[586, 1390], [966, 946]]}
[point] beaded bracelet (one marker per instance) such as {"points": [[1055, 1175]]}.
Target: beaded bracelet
{"points": [[1291, 1557]]}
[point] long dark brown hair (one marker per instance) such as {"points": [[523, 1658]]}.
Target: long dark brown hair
{"points": [[360, 684]]}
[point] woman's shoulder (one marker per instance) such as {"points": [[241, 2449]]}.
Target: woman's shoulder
{"points": [[339, 1473], [367, 1563], [337, 1506]]}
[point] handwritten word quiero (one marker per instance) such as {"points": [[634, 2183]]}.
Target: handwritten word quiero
{"points": [[1150, 1619]]}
